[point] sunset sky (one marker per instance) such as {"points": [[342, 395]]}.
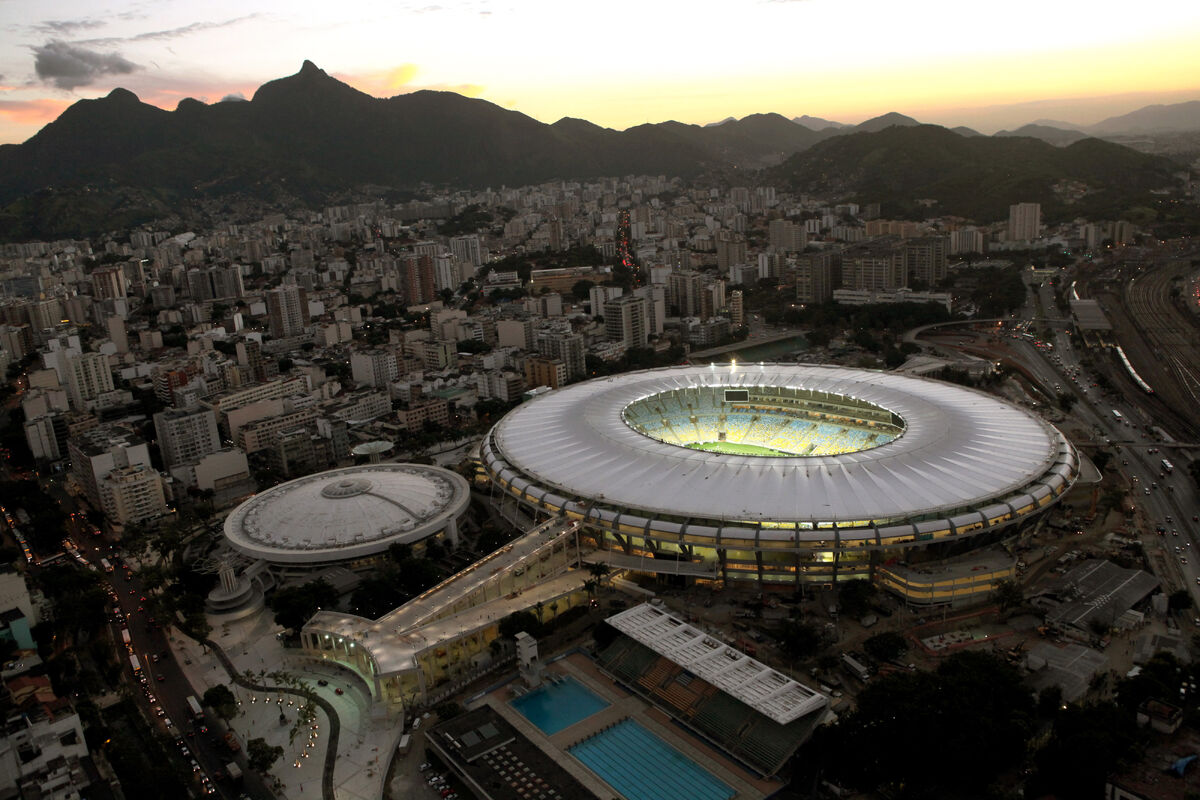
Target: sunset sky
{"points": [[623, 62]]}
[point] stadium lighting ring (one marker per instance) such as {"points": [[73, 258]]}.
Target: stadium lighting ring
{"points": [[922, 461]]}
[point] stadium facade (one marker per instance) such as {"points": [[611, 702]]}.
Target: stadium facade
{"points": [[777, 474]]}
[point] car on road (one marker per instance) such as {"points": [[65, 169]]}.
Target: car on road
{"points": [[338, 691], [322, 682]]}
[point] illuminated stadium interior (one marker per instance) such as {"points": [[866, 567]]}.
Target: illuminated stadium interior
{"points": [[769, 421]]}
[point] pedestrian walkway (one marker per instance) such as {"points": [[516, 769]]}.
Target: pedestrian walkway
{"points": [[364, 742]]}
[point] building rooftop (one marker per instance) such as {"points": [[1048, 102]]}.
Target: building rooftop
{"points": [[346, 512]]}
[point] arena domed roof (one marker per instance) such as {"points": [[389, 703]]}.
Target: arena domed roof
{"points": [[948, 451], [347, 513]]}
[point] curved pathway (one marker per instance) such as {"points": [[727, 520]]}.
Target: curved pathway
{"points": [[335, 724]]}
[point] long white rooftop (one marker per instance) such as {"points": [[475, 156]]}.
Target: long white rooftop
{"points": [[766, 690]]}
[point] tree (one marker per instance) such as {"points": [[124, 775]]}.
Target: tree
{"points": [[1086, 743], [221, 700], [885, 646], [520, 621], [1008, 594], [582, 290], [974, 705], [261, 755], [1179, 600], [598, 570], [294, 605], [854, 597], [802, 639]]}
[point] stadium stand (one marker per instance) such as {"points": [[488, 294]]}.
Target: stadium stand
{"points": [[746, 734]]}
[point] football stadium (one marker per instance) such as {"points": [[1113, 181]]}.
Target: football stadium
{"points": [[777, 473]]}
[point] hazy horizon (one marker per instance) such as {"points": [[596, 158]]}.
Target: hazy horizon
{"points": [[634, 63]]}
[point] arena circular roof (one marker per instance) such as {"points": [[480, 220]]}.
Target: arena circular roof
{"points": [[960, 451], [347, 513]]}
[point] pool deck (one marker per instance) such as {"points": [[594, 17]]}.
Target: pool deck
{"points": [[624, 705]]}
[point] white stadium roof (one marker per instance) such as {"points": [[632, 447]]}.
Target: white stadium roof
{"points": [[346, 513], [961, 451]]}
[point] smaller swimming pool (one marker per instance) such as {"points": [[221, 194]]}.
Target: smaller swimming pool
{"points": [[557, 706]]}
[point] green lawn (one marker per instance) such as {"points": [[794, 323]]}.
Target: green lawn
{"points": [[734, 449]]}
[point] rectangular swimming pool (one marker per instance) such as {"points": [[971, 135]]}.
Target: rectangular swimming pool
{"points": [[556, 706], [641, 766]]}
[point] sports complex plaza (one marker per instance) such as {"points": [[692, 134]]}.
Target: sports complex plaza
{"points": [[763, 476]]}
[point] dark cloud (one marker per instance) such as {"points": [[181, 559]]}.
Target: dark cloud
{"points": [[174, 33], [66, 27], [69, 66]]}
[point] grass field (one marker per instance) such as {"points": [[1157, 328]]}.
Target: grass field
{"points": [[734, 449]]}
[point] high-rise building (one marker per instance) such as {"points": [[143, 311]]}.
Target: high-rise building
{"points": [[786, 236], [731, 250], [186, 434], [108, 283], [466, 248], [966, 240], [99, 451], [599, 295], [656, 307], [567, 348], [873, 269], [683, 292], [374, 367], [515, 333], [287, 311], [737, 311], [542, 371], [925, 259], [132, 493], [417, 279], [625, 320], [1024, 222], [88, 376]]}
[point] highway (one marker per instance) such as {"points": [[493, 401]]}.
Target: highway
{"points": [[1139, 445]]}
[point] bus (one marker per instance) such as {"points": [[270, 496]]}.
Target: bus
{"points": [[125, 638], [194, 707], [105, 565], [1167, 466], [1118, 416], [137, 665]]}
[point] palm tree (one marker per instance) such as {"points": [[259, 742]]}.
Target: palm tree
{"points": [[590, 586], [598, 570]]}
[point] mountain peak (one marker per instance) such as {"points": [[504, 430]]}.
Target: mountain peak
{"points": [[886, 121], [309, 68], [120, 95]]}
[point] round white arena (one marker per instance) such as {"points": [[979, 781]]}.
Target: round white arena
{"points": [[348, 515], [777, 472]]}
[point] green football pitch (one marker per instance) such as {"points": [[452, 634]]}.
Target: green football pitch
{"points": [[734, 449]]}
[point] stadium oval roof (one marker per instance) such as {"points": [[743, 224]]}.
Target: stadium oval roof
{"points": [[961, 451], [346, 513]]}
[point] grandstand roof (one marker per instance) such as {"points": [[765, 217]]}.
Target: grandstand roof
{"points": [[767, 691], [960, 450]]}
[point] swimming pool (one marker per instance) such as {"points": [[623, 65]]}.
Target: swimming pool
{"points": [[641, 766], [556, 706]]}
